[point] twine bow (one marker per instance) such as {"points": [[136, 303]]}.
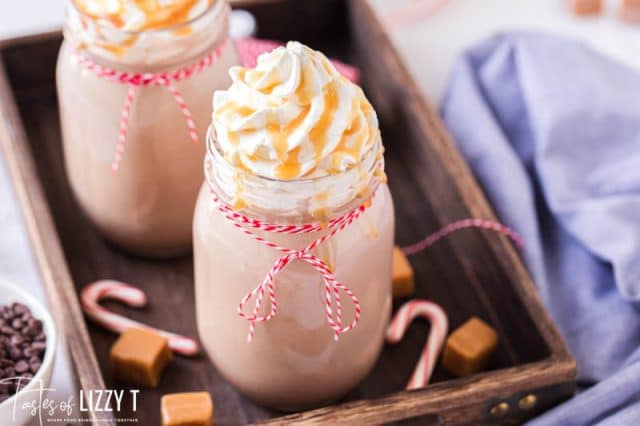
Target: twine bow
{"points": [[138, 80], [333, 288]]}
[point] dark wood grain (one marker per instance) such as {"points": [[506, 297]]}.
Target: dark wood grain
{"points": [[471, 273], [48, 250]]}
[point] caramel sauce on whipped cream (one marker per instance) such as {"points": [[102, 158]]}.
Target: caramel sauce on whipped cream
{"points": [[293, 116], [140, 30], [140, 15]]}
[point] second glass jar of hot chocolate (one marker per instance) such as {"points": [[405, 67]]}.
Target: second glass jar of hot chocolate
{"points": [[134, 82]]}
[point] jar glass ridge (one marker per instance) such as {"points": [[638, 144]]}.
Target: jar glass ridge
{"points": [[293, 202]]}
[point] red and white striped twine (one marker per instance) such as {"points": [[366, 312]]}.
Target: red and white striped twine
{"points": [[463, 224], [438, 333], [138, 80], [93, 293], [333, 288]]}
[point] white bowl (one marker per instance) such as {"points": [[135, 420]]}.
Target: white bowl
{"points": [[10, 293]]}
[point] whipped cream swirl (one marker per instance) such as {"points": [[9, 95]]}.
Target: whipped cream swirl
{"points": [[138, 15], [142, 31], [293, 116]]}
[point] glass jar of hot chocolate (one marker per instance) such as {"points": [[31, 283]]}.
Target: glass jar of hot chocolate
{"points": [[134, 82], [293, 233]]}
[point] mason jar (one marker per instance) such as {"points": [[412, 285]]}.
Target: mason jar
{"points": [[132, 104], [294, 360]]}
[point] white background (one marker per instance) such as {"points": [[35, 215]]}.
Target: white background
{"points": [[19, 17]]}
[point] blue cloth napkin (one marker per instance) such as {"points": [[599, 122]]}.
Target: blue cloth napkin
{"points": [[551, 130]]}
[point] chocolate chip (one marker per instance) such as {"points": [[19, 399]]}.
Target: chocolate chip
{"points": [[15, 353], [19, 308], [21, 366], [39, 347], [36, 323], [9, 372], [24, 381], [16, 340], [30, 331], [22, 345]]}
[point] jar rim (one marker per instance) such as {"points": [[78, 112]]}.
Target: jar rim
{"points": [[213, 149], [305, 200], [217, 6]]}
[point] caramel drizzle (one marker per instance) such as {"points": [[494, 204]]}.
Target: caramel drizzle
{"points": [[318, 135], [157, 17], [280, 134], [358, 127], [352, 141], [166, 16], [291, 167], [242, 111], [304, 92], [121, 48]]}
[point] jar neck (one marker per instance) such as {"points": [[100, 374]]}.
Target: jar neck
{"points": [[147, 50], [297, 201]]}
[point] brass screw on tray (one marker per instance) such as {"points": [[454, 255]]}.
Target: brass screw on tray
{"points": [[500, 409], [528, 402]]}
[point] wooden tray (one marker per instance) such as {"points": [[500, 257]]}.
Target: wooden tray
{"points": [[471, 273]]}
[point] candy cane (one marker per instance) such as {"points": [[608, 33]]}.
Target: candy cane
{"points": [[437, 334], [131, 296]]}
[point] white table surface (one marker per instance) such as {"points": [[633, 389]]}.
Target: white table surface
{"points": [[17, 262], [22, 17], [18, 266], [429, 45]]}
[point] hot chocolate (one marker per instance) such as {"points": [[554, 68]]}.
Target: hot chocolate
{"points": [[292, 142], [146, 206]]}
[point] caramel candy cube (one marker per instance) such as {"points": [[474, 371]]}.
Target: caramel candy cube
{"points": [[402, 275], [630, 11], [587, 7], [469, 347], [187, 409], [139, 356]]}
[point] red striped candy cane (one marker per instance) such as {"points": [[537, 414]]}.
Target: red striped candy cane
{"points": [[93, 293], [437, 334]]}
